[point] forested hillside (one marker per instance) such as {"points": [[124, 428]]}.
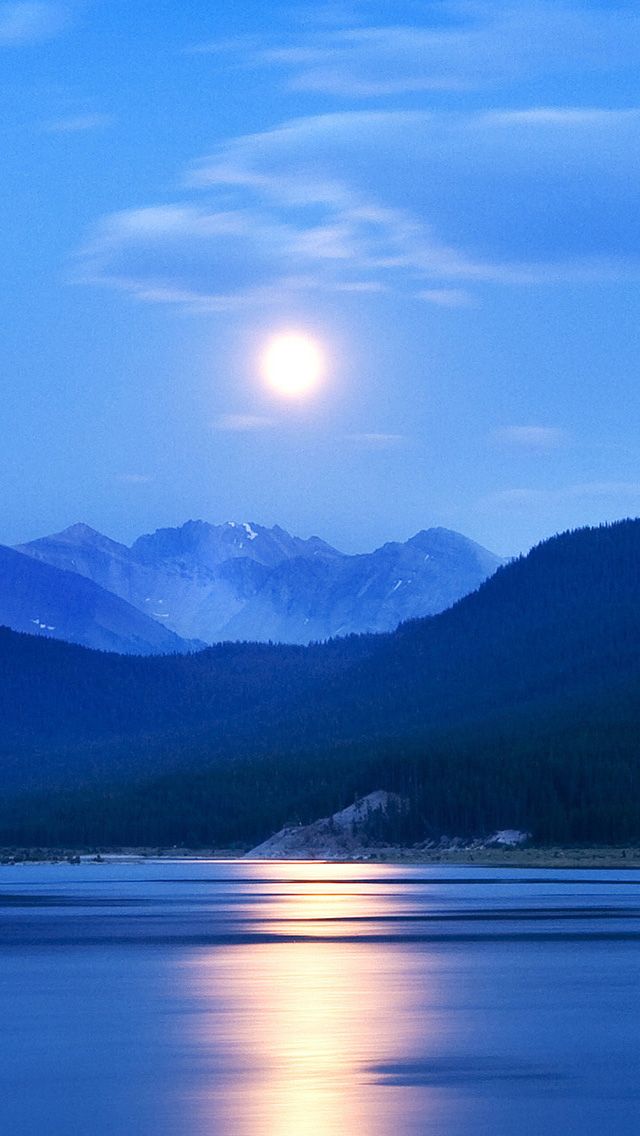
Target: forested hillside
{"points": [[518, 706]]}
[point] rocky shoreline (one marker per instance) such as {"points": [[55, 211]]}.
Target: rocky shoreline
{"points": [[588, 857], [355, 835]]}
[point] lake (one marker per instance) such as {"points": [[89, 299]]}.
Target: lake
{"points": [[201, 998]]}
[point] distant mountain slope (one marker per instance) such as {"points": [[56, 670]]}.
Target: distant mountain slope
{"points": [[199, 542], [518, 707], [37, 598], [247, 582], [189, 598], [375, 591], [567, 614]]}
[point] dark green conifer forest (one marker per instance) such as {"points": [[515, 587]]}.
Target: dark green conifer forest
{"points": [[518, 707]]}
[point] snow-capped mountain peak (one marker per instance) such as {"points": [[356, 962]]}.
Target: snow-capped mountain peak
{"points": [[243, 580]]}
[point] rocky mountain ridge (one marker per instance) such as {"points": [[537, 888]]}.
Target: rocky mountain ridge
{"points": [[243, 581], [38, 598], [517, 708]]}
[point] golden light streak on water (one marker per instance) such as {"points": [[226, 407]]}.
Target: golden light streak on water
{"points": [[304, 1022]]}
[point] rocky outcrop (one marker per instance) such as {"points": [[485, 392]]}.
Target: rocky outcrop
{"points": [[342, 836], [358, 833]]}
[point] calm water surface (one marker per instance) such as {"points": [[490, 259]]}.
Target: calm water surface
{"points": [[266, 999]]}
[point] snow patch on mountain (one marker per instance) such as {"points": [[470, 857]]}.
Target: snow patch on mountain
{"points": [[243, 581]]}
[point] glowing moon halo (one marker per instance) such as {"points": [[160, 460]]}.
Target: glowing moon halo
{"points": [[292, 364]]}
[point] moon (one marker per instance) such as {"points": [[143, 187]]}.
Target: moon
{"points": [[292, 364]]}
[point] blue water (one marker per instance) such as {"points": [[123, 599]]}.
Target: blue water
{"points": [[182, 998]]}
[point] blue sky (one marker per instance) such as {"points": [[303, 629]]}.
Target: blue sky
{"points": [[443, 194]]}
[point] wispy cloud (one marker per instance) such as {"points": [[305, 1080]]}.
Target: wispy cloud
{"points": [[455, 47], [613, 493], [532, 437], [339, 202], [448, 297], [133, 479], [561, 116], [197, 258], [242, 423], [25, 23], [376, 441], [77, 123], [331, 14], [238, 45]]}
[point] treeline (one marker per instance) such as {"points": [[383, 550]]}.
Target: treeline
{"points": [[517, 707], [569, 775]]}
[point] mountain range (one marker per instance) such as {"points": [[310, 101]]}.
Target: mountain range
{"points": [[42, 599], [518, 707], [207, 583]]}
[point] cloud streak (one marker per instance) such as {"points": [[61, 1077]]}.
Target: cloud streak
{"points": [[626, 493], [532, 437], [77, 123], [376, 441], [418, 203], [463, 46], [26, 23], [242, 423], [133, 479], [447, 297]]}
